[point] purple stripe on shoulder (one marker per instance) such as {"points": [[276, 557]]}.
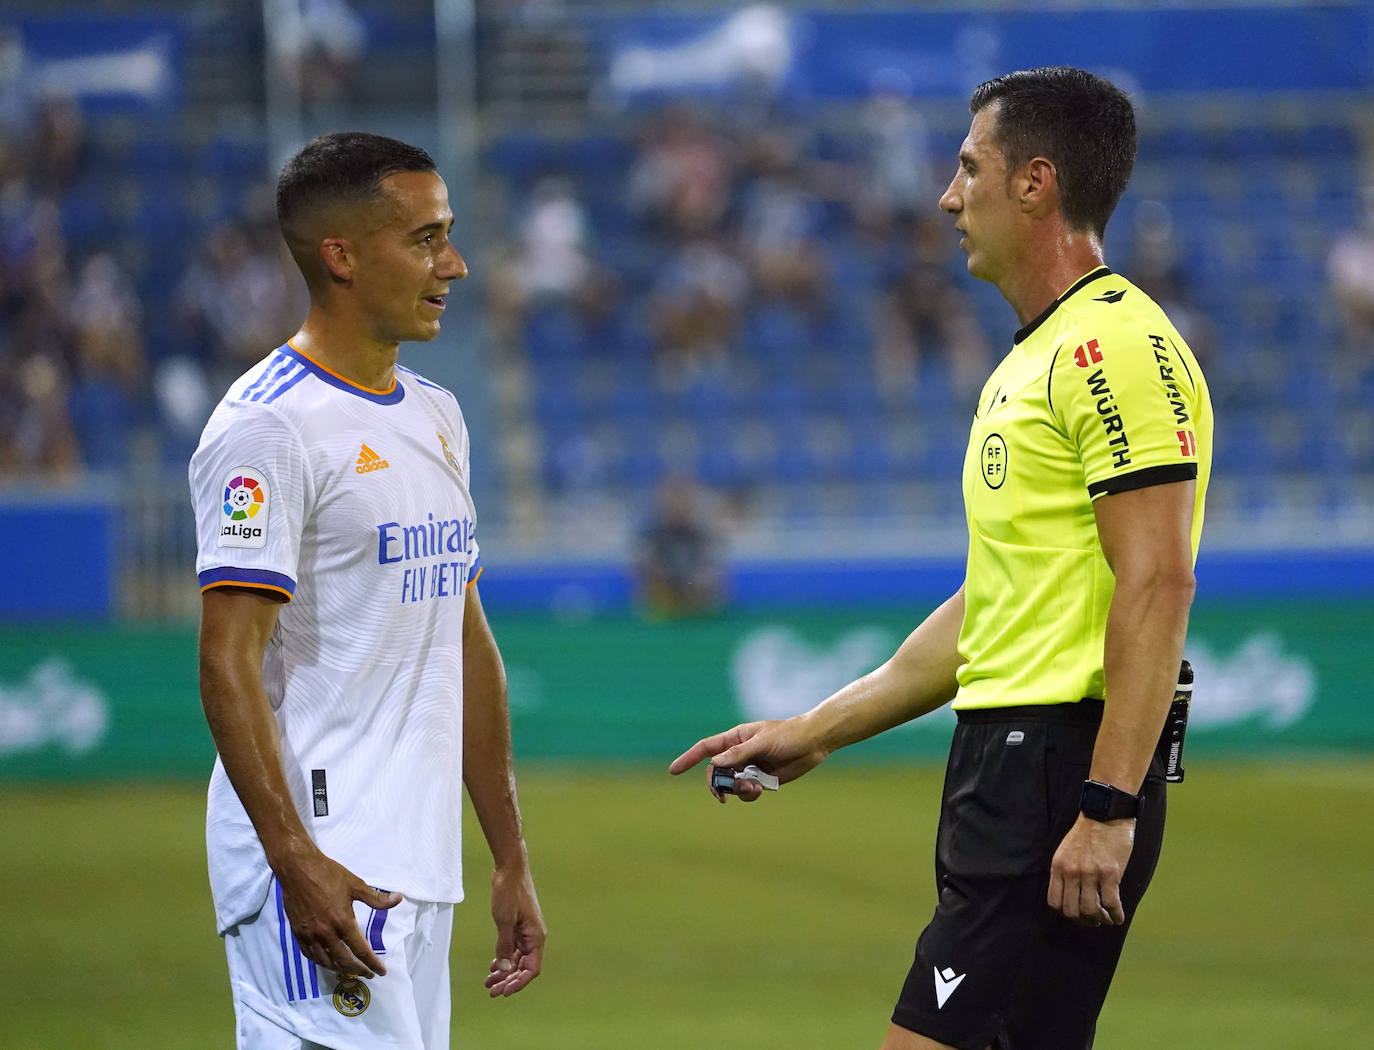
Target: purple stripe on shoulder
{"points": [[286, 386], [265, 394], [281, 932], [274, 371], [314, 982]]}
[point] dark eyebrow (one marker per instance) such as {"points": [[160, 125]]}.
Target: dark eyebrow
{"points": [[432, 227]]}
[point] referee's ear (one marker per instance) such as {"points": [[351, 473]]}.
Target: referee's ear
{"points": [[1037, 186]]}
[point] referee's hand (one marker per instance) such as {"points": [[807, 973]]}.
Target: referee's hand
{"points": [[318, 895], [787, 749], [1085, 875]]}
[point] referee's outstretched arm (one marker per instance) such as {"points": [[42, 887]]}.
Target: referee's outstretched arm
{"points": [[917, 679]]}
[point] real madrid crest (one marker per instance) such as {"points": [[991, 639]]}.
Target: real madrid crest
{"points": [[351, 996], [448, 453]]}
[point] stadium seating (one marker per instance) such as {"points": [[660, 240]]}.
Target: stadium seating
{"points": [[797, 408]]}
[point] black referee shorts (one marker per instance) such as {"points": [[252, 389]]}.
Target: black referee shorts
{"points": [[997, 966]]}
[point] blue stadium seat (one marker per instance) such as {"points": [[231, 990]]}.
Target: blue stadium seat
{"points": [[552, 333], [776, 332]]}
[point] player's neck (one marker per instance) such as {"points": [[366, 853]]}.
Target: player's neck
{"points": [[341, 346], [1048, 268]]}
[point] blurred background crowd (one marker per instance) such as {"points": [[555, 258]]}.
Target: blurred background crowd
{"points": [[701, 292]]}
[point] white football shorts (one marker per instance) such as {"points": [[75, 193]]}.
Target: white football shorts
{"points": [[282, 1001]]}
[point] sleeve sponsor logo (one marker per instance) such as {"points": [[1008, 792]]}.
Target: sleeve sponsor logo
{"points": [[1187, 442], [1166, 376], [243, 521], [1088, 354], [1112, 422]]}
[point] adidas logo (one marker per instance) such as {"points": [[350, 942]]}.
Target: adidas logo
{"points": [[369, 461]]}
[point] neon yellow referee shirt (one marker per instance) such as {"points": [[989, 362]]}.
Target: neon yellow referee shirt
{"points": [[1099, 394]]}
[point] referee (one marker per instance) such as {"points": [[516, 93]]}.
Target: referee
{"points": [[1083, 485]]}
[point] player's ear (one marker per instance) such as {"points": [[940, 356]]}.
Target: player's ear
{"points": [[1037, 184], [338, 257]]}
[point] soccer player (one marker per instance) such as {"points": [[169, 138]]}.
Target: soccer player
{"points": [[348, 674], [1083, 485]]}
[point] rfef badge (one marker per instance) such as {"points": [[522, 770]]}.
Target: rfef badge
{"points": [[243, 518]]}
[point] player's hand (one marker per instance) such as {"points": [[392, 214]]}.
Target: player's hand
{"points": [[1085, 875], [787, 749], [318, 896], [520, 932]]}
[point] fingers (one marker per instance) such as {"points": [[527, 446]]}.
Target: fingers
{"points": [[362, 951], [1113, 909], [508, 976], [375, 898], [712, 746], [513, 968], [1085, 899], [346, 956]]}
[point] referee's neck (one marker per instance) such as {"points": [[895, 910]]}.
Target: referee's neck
{"points": [[1049, 267]]}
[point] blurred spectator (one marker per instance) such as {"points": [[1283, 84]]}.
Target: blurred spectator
{"points": [[36, 435], [677, 561], [59, 145], [696, 310], [1351, 268], [17, 89], [680, 183], [1157, 269], [549, 262], [779, 222], [236, 303], [925, 313], [896, 170], [321, 44], [108, 344]]}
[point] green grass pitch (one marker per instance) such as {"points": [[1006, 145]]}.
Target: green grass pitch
{"points": [[678, 924]]}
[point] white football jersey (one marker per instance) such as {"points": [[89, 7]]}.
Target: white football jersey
{"points": [[354, 504]]}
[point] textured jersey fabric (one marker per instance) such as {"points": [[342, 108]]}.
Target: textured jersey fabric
{"points": [[1098, 395], [353, 505]]}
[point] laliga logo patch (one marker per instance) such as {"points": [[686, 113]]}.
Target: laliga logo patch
{"points": [[351, 996], [246, 497]]}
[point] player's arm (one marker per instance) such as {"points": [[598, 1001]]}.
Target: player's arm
{"points": [[918, 678], [489, 775], [1145, 538], [318, 894]]}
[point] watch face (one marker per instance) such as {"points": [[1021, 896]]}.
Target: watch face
{"points": [[1104, 802], [1097, 799]]}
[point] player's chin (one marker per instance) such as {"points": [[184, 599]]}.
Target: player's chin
{"points": [[423, 330]]}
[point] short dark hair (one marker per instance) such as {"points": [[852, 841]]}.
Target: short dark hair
{"points": [[1084, 125], [343, 167]]}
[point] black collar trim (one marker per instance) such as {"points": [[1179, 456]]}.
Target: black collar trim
{"points": [[1024, 333]]}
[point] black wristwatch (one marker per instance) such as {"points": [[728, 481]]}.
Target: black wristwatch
{"points": [[1104, 802]]}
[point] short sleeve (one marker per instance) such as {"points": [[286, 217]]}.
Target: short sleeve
{"points": [[1127, 402], [251, 487]]}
